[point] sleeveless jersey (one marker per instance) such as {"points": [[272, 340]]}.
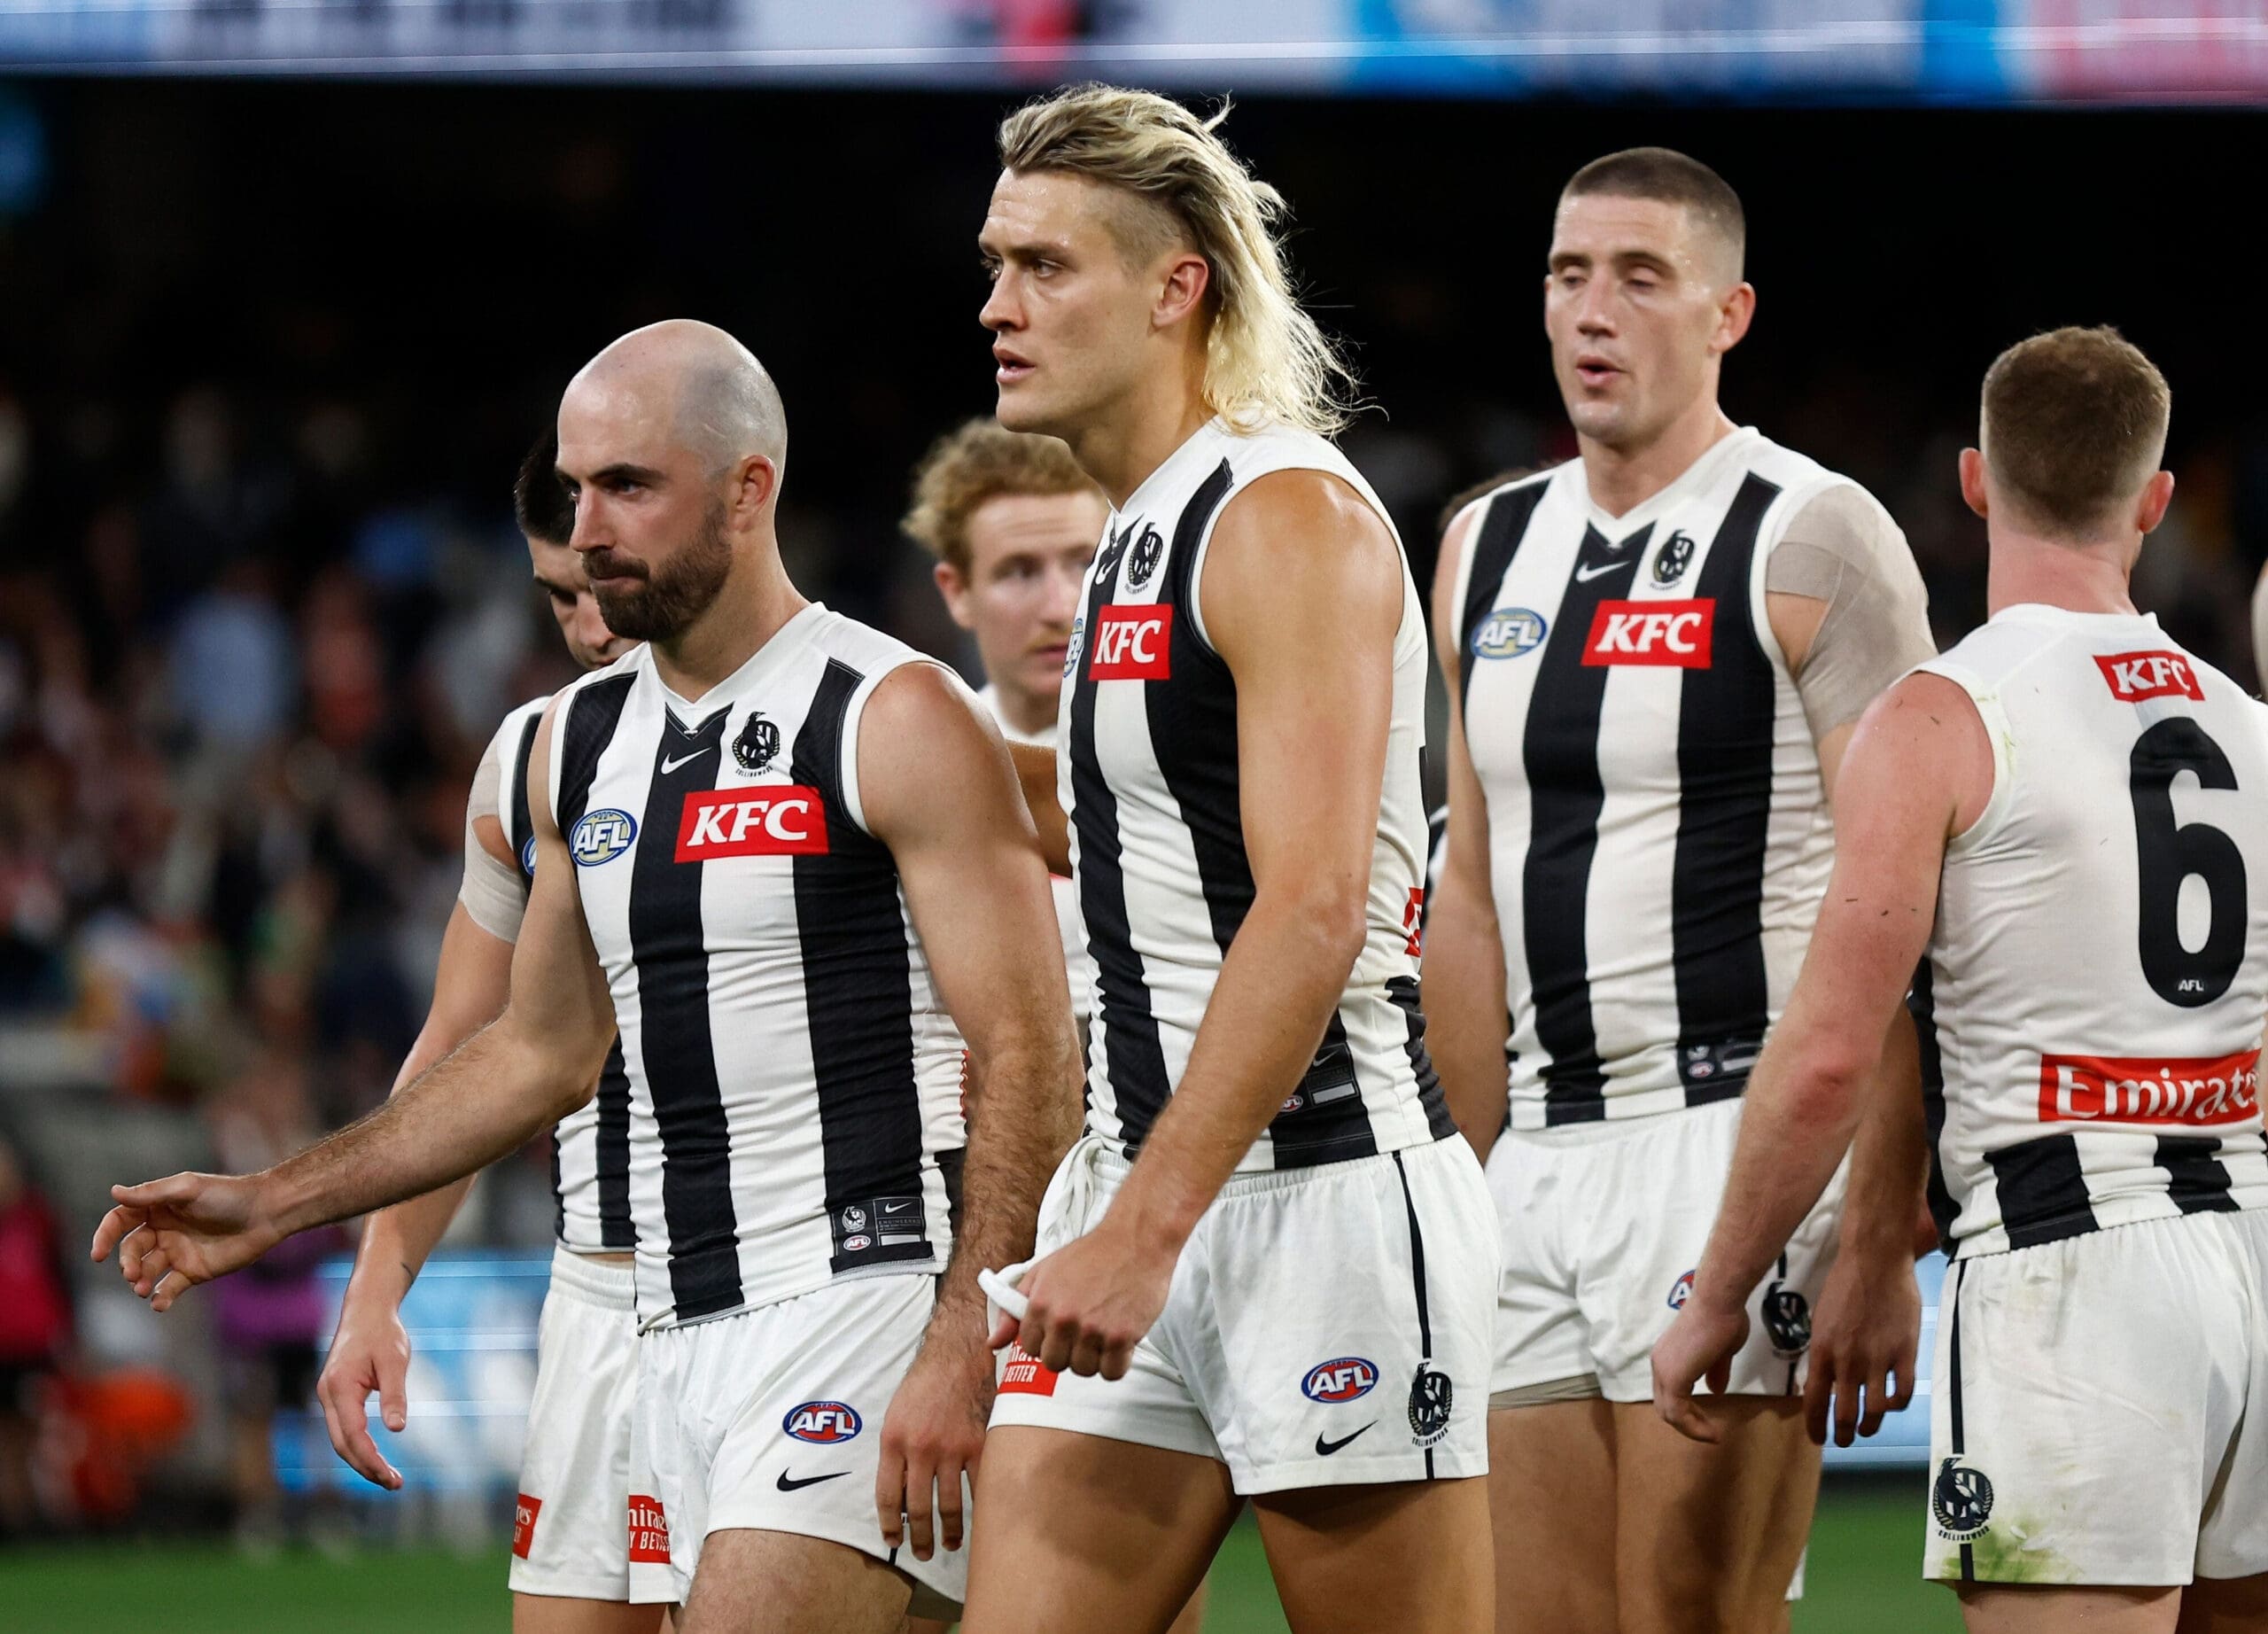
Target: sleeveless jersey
{"points": [[1659, 833], [1149, 779], [590, 1147], [2099, 970], [793, 1075], [1076, 963]]}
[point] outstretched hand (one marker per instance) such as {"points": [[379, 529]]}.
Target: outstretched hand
{"points": [[173, 1233], [1700, 1345]]}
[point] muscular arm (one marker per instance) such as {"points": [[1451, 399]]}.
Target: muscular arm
{"points": [[1464, 950], [1918, 771], [536, 1063], [938, 790], [1296, 553], [1036, 775]]}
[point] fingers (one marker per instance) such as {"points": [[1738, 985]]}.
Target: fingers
{"points": [[343, 1400], [151, 1267], [169, 1287], [1877, 1403], [1819, 1393], [393, 1391], [1004, 1331], [920, 1477], [113, 1228], [890, 1486], [951, 1530], [1087, 1356], [172, 1192], [1901, 1396], [1684, 1414], [1846, 1405]]}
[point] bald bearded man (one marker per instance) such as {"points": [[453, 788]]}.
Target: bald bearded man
{"points": [[787, 857]]}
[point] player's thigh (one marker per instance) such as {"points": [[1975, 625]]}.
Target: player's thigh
{"points": [[554, 1613], [1192, 1616], [753, 1581], [1079, 1532], [2005, 1608], [1707, 1538], [1411, 1555], [2225, 1606], [1551, 1473]]}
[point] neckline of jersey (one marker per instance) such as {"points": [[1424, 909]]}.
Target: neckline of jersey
{"points": [[1159, 478], [784, 640], [2045, 613], [1649, 510]]}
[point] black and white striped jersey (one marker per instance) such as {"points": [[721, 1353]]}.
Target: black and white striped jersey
{"points": [[793, 1075], [590, 1147], [2099, 969], [1149, 778], [1658, 836]]}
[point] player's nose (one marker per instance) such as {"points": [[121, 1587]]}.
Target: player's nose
{"points": [[1001, 311]]}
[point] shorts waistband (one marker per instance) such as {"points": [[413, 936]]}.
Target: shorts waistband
{"points": [[1111, 1168], [593, 1280], [1599, 1130]]}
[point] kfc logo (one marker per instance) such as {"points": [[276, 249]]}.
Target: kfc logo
{"points": [[2101, 1089], [1132, 643], [1672, 634], [2135, 677], [767, 821]]}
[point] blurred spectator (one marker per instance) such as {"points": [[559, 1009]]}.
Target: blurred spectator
{"points": [[35, 1331]]}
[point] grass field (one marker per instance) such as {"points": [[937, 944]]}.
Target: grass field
{"points": [[1866, 1551]]}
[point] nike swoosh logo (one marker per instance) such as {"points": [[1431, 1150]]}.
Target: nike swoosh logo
{"points": [[898, 1207], [1584, 575], [787, 1484], [1324, 1448], [670, 765]]}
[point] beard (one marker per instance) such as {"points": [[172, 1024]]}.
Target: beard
{"points": [[657, 604]]}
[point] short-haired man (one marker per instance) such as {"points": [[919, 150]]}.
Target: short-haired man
{"points": [[1656, 653], [2066, 811], [570, 1571], [1266, 1273], [789, 857], [1014, 522]]}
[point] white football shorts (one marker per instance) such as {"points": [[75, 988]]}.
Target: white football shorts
{"points": [[771, 1420], [1325, 1326], [1604, 1223], [571, 1534], [2099, 1408]]}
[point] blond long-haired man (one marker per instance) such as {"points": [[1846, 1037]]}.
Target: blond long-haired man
{"points": [[1266, 1273]]}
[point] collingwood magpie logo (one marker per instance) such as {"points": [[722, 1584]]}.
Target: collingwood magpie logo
{"points": [[1676, 556], [1431, 1399], [759, 743], [1149, 550], [1961, 1501], [1787, 1321]]}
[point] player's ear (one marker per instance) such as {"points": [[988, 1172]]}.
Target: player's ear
{"points": [[1734, 312], [754, 481], [2157, 494], [954, 589], [1187, 276], [1972, 479]]}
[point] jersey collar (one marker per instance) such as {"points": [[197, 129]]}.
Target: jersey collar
{"points": [[1682, 487]]}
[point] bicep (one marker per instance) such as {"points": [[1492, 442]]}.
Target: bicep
{"points": [[940, 791], [471, 983], [559, 998]]}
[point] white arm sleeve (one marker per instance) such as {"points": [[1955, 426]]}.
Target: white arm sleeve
{"points": [[494, 893]]}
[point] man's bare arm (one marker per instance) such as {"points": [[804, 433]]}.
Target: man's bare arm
{"points": [[1463, 983], [1036, 775], [538, 1062], [938, 790], [1919, 770]]}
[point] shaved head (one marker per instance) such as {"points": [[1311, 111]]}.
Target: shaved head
{"points": [[699, 384]]}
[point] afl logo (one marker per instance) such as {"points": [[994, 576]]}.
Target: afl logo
{"points": [[527, 856], [1342, 1379], [1508, 632], [1680, 1291], [602, 836], [823, 1422]]}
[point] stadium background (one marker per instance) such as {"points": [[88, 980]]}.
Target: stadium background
{"points": [[271, 345]]}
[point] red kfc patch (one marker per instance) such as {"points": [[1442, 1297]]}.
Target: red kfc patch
{"points": [[649, 1532], [1132, 643], [765, 819], [2105, 1089], [1024, 1376], [2137, 676], [1671, 635], [525, 1511]]}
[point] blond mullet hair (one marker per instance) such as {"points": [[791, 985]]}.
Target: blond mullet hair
{"points": [[1266, 361]]}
